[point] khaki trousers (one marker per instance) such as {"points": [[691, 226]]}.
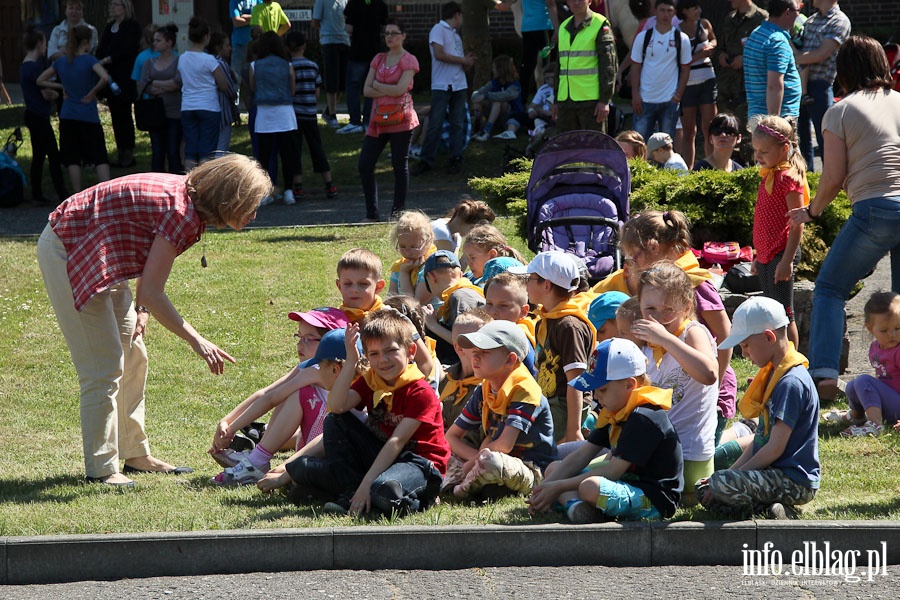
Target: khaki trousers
{"points": [[112, 369]]}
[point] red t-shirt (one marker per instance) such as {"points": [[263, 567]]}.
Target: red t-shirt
{"points": [[414, 401], [770, 225]]}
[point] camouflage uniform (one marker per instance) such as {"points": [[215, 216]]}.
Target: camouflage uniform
{"points": [[736, 28], [745, 493]]}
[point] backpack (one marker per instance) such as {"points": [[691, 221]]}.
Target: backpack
{"points": [[649, 35]]}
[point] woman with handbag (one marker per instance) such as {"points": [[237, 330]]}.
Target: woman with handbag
{"points": [[393, 117], [160, 102]]}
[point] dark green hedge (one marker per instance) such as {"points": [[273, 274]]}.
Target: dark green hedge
{"points": [[719, 205]]}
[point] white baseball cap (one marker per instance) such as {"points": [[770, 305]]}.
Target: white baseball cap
{"points": [[755, 316], [556, 267], [613, 359]]}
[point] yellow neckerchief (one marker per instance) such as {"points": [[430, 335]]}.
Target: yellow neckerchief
{"points": [[383, 392], [519, 379], [653, 396], [754, 400], [769, 176], [357, 314], [458, 389], [659, 351], [462, 283], [413, 274], [570, 307], [614, 282], [584, 300], [688, 263], [527, 324]]}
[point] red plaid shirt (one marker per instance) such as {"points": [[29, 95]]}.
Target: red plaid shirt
{"points": [[108, 229]]}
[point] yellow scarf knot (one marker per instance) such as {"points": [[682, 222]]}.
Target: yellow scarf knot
{"points": [[383, 391], [357, 314], [647, 395], [658, 351], [571, 307], [769, 176], [754, 400], [519, 386]]}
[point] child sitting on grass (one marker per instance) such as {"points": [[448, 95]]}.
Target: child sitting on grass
{"points": [[876, 399], [413, 238], [359, 282], [298, 401], [395, 461], [780, 469], [642, 477], [565, 338], [444, 281], [481, 245], [509, 409]]}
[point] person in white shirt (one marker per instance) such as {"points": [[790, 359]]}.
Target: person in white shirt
{"points": [[56, 47]]}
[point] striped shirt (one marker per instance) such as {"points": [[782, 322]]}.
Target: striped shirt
{"points": [[307, 79], [769, 49], [833, 25], [108, 229]]}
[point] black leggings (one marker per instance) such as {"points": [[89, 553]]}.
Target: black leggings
{"points": [[287, 147], [532, 44], [43, 144], [371, 149]]}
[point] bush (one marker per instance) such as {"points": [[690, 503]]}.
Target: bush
{"points": [[719, 205]]}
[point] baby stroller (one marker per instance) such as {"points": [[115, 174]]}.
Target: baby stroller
{"points": [[578, 198]]}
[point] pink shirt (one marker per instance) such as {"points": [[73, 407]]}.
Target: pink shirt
{"points": [[391, 76], [886, 364]]}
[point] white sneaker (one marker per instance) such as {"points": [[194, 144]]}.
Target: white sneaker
{"points": [[350, 128], [288, 197], [415, 152], [481, 137], [267, 201], [506, 135]]}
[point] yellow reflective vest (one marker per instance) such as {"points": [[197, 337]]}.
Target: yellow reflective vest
{"points": [[578, 61]]}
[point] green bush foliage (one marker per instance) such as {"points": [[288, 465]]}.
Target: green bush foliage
{"points": [[719, 205]]}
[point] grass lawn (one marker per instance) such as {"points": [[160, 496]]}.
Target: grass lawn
{"points": [[241, 303]]}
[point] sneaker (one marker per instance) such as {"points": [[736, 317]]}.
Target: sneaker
{"points": [[867, 429], [227, 458], [243, 473], [839, 416], [415, 152], [421, 167], [481, 137], [581, 513], [807, 100], [299, 194], [288, 197], [506, 135], [455, 165], [350, 128], [333, 123], [267, 201], [331, 191], [341, 506], [777, 512]]}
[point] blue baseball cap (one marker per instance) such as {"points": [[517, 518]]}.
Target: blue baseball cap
{"points": [[613, 359], [498, 265], [442, 259], [604, 307], [331, 347]]}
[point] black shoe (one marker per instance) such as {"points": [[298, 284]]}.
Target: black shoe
{"points": [[422, 167], [341, 506], [241, 442], [455, 165]]}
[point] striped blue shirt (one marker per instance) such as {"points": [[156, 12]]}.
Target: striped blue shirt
{"points": [[769, 49], [307, 79]]}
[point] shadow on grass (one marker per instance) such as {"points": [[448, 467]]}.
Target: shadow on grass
{"points": [[865, 510], [281, 239], [60, 488]]}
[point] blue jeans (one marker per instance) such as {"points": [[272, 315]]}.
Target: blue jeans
{"points": [[440, 101], [201, 133], [665, 113], [350, 450], [872, 231], [165, 144], [356, 77], [823, 94]]}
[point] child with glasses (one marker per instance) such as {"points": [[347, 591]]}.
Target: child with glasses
{"points": [[725, 136], [413, 238], [297, 401]]}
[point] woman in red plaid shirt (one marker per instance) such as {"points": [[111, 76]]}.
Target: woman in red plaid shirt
{"points": [[133, 228]]}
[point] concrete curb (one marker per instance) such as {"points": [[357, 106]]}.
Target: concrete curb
{"points": [[55, 559]]}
